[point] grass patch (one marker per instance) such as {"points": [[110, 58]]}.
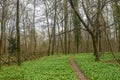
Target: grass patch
{"points": [[98, 70], [46, 68]]}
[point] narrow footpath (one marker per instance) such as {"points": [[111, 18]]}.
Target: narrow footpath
{"points": [[78, 72]]}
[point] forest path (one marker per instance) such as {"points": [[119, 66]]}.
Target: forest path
{"points": [[79, 73]]}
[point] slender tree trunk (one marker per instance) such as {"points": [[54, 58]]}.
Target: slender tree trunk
{"points": [[4, 24], [2, 30], [77, 30], [18, 33], [49, 35], [54, 29], [65, 24], [1, 38], [25, 41], [34, 34], [69, 39]]}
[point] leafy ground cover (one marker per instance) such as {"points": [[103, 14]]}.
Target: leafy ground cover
{"points": [[46, 68], [98, 70]]}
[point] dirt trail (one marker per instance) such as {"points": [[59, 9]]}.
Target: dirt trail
{"points": [[79, 73]]}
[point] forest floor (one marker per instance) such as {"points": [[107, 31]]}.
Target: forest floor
{"points": [[111, 61], [77, 70], [106, 69], [55, 67], [64, 67]]}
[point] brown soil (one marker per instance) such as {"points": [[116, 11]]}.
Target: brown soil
{"points": [[79, 73]]}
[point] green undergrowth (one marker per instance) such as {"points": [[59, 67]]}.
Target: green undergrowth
{"points": [[98, 70], [46, 68]]}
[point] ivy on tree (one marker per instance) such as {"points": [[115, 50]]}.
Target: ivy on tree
{"points": [[12, 48]]}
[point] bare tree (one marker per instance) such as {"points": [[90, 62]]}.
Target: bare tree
{"points": [[95, 24]]}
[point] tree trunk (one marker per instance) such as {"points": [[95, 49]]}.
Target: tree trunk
{"points": [[34, 31], [18, 34], [54, 29], [95, 47], [2, 30], [65, 25], [77, 30]]}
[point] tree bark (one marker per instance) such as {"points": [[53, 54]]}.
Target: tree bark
{"points": [[18, 34], [54, 29], [95, 47], [65, 25]]}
